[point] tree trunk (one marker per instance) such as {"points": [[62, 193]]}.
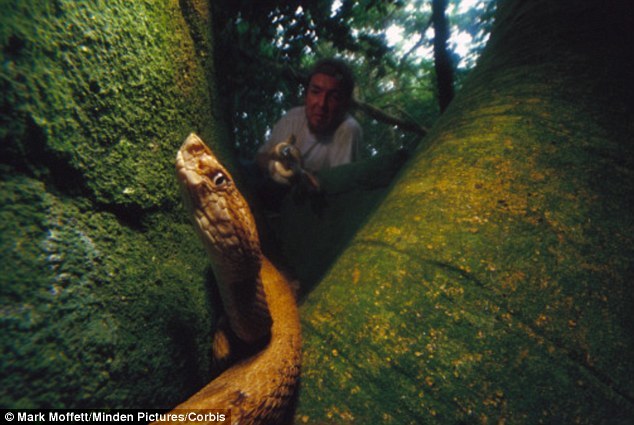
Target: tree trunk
{"points": [[495, 282], [104, 298], [442, 59]]}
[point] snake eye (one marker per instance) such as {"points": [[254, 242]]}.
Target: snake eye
{"points": [[220, 179]]}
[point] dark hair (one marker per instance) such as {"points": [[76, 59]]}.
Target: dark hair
{"points": [[337, 69]]}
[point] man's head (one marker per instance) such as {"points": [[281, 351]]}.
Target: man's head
{"points": [[328, 95]]}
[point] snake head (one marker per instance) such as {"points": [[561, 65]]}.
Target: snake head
{"points": [[222, 216], [226, 226]]}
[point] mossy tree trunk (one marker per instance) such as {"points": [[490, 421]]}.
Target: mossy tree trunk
{"points": [[494, 284], [104, 288]]}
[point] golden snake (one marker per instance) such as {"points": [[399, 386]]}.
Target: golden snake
{"points": [[258, 301]]}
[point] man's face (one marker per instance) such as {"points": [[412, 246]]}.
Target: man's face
{"points": [[326, 104]]}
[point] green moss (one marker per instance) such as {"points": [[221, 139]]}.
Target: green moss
{"points": [[493, 283], [104, 286], [95, 314], [113, 87]]}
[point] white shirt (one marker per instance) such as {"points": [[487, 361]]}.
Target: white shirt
{"points": [[318, 152]]}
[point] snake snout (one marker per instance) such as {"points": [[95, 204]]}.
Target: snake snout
{"points": [[193, 141]]}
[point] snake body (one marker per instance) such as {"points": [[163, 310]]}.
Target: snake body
{"points": [[258, 301]]}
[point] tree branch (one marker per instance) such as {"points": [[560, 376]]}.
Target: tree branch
{"points": [[384, 117]]}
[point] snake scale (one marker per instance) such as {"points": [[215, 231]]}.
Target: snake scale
{"points": [[257, 299]]}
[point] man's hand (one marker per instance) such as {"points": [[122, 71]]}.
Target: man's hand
{"points": [[285, 166], [285, 162]]}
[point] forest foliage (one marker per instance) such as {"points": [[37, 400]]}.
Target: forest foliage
{"points": [[263, 50]]}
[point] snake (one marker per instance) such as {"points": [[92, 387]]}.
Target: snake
{"points": [[257, 298]]}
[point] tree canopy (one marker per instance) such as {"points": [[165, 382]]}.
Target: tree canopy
{"points": [[263, 49]]}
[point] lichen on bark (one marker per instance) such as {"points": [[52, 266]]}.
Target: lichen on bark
{"points": [[104, 286], [494, 282]]}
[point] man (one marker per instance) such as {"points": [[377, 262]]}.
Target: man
{"points": [[325, 135]]}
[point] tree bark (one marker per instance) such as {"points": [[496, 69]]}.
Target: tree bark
{"points": [[104, 296], [494, 282], [442, 59]]}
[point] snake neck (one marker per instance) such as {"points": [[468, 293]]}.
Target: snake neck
{"points": [[244, 300]]}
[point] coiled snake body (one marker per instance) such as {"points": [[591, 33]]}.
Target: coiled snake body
{"points": [[258, 301]]}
